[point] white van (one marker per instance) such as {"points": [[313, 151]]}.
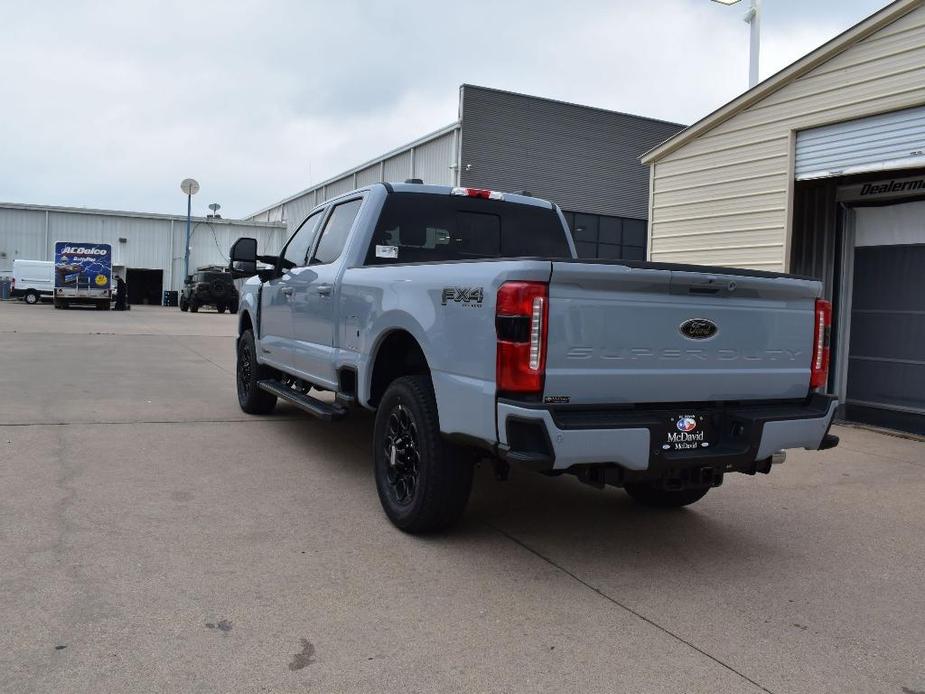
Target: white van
{"points": [[33, 280]]}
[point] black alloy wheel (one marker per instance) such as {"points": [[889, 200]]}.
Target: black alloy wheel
{"points": [[401, 450], [423, 479], [249, 373]]}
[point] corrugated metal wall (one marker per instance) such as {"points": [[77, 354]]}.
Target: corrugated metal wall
{"points": [[722, 199], [339, 187], [369, 175], [435, 161], [813, 250], [22, 235], [433, 158], [397, 168], [584, 159], [296, 210], [151, 241]]}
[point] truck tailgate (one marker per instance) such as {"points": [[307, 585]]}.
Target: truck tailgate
{"points": [[617, 335]]}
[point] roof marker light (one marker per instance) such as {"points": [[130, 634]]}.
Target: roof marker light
{"points": [[478, 193]]}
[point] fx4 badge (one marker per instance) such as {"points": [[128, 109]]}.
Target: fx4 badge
{"points": [[470, 296]]}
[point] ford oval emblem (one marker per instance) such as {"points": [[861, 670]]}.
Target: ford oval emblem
{"points": [[698, 329]]}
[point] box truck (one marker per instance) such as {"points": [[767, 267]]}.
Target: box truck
{"points": [[83, 274]]}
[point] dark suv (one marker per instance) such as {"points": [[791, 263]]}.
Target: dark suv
{"points": [[209, 288]]}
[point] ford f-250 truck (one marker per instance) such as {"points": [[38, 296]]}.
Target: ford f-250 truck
{"points": [[463, 317]]}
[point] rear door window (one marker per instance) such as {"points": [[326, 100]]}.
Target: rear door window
{"points": [[422, 227]]}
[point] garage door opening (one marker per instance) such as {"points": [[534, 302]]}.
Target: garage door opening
{"points": [[864, 236], [886, 345], [145, 286]]}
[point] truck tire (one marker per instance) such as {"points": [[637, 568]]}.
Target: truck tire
{"points": [[31, 297], [251, 399], [423, 481], [183, 305], [220, 308], [194, 306], [649, 494]]}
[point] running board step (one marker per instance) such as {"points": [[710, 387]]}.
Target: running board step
{"points": [[322, 410]]}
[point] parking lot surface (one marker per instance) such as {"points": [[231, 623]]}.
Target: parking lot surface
{"points": [[155, 538]]}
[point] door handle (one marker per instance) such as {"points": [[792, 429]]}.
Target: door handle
{"points": [[325, 289], [287, 291]]}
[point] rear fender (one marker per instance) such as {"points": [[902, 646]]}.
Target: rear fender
{"points": [[387, 324]]}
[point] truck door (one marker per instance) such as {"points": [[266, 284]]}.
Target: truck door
{"points": [[276, 298], [314, 298]]}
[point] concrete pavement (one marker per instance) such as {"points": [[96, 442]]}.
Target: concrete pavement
{"points": [[155, 538]]}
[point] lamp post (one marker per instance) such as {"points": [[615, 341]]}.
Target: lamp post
{"points": [[190, 187], [753, 19]]}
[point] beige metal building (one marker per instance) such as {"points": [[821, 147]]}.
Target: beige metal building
{"points": [[820, 170]]}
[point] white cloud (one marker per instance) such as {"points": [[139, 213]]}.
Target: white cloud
{"points": [[112, 104]]}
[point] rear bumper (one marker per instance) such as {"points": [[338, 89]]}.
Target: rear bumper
{"points": [[559, 438], [78, 294], [206, 296]]}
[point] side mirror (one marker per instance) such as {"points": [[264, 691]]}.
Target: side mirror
{"points": [[243, 257]]}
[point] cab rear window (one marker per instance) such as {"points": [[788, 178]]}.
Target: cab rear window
{"points": [[422, 227]]}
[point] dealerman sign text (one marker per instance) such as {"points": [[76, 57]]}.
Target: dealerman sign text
{"points": [[875, 190]]}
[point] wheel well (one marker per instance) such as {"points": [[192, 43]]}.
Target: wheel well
{"points": [[245, 323], [398, 355]]}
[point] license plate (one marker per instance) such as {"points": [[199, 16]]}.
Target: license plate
{"points": [[688, 432]]}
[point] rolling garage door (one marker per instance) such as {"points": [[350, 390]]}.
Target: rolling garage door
{"points": [[886, 349], [883, 142]]}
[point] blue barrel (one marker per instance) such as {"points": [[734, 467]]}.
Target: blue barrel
{"points": [[4, 290]]}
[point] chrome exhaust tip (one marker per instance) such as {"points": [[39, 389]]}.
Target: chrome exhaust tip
{"points": [[778, 458]]}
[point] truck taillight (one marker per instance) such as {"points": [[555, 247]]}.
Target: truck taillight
{"points": [[521, 321], [819, 371]]}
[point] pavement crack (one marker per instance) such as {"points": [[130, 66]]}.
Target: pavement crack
{"points": [[625, 607]]}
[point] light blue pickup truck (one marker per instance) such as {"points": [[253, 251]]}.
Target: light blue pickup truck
{"points": [[463, 317]]}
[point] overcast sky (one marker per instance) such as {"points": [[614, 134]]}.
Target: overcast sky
{"points": [[111, 104]]}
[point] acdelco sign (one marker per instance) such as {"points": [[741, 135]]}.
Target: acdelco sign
{"points": [[81, 250]]}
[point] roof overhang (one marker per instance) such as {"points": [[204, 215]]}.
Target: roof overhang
{"points": [[808, 62]]}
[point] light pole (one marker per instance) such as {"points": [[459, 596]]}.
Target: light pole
{"points": [[753, 19], [190, 187]]}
